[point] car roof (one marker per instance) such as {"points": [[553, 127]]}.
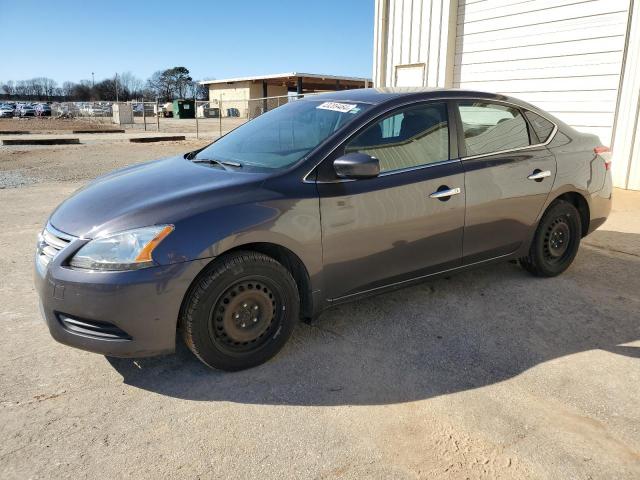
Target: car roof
{"points": [[378, 96]]}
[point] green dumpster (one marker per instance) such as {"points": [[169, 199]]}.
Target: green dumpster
{"points": [[184, 109]]}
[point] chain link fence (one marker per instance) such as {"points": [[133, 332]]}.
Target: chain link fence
{"points": [[94, 112], [204, 118]]}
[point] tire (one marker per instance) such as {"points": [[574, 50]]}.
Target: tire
{"points": [[556, 241], [241, 312]]}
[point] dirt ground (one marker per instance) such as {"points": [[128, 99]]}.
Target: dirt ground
{"points": [[487, 374], [49, 124], [27, 165], [204, 126]]}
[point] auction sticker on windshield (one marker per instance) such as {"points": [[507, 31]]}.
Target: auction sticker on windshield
{"points": [[337, 107]]}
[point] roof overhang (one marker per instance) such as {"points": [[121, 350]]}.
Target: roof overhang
{"points": [[290, 79]]}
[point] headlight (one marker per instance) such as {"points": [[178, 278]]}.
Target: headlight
{"points": [[128, 250]]}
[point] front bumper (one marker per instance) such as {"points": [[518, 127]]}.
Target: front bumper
{"points": [[121, 314]]}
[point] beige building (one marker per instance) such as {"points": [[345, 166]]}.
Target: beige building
{"points": [[250, 96]]}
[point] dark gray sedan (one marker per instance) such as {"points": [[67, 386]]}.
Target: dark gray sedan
{"points": [[321, 201]]}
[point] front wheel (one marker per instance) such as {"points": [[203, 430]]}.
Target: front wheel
{"points": [[241, 312], [556, 241]]}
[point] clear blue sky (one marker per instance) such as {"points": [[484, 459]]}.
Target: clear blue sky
{"points": [[69, 39]]}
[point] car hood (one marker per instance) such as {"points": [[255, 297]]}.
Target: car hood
{"points": [[158, 192]]}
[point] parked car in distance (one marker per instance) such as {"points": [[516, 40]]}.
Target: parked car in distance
{"points": [[6, 110], [43, 110], [65, 110], [164, 110], [321, 201], [25, 110], [96, 110]]}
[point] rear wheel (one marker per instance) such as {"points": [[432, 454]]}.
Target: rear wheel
{"points": [[556, 241], [241, 312]]}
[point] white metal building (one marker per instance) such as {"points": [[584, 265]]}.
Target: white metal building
{"points": [[578, 59]]}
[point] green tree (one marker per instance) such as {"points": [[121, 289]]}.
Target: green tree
{"points": [[171, 83]]}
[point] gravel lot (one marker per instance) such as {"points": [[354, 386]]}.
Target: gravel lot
{"points": [[50, 124], [26, 165], [205, 126], [487, 374]]}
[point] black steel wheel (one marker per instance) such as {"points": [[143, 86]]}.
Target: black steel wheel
{"points": [[241, 311], [244, 315], [556, 241]]}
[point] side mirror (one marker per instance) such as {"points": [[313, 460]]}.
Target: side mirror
{"points": [[356, 165]]}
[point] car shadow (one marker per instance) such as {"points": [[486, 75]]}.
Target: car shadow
{"points": [[447, 335]]}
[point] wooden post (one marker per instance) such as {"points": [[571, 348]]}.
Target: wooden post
{"points": [[299, 86], [157, 116], [144, 115], [220, 114], [195, 105], [265, 94]]}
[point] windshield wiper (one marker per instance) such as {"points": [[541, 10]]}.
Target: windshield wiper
{"points": [[211, 161]]}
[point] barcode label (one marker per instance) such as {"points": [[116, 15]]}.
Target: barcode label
{"points": [[337, 107]]}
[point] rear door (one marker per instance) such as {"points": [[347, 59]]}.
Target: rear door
{"points": [[509, 173], [394, 227]]}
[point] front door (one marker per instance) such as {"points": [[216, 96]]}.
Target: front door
{"points": [[399, 225], [508, 176]]}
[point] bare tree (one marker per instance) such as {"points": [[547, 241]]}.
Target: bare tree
{"points": [[106, 90], [159, 87], [197, 91], [41, 88], [82, 91], [9, 88], [130, 85], [50, 86], [165, 85], [21, 89], [67, 89]]}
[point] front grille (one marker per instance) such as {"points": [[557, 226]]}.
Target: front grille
{"points": [[50, 243], [92, 328]]}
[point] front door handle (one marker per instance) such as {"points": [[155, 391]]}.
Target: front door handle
{"points": [[539, 175], [443, 194]]}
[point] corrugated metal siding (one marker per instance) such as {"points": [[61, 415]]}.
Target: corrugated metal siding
{"points": [[626, 142], [563, 55], [412, 32]]}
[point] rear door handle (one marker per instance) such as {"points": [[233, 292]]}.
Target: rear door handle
{"points": [[445, 193], [539, 175]]}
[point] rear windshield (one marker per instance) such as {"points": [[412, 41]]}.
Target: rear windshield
{"points": [[281, 137]]}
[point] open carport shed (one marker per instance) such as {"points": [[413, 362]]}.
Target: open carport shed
{"points": [[283, 83], [237, 92]]}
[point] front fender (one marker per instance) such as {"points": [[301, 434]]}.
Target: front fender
{"points": [[290, 223]]}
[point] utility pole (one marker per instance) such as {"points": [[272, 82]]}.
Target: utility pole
{"points": [[116, 88]]}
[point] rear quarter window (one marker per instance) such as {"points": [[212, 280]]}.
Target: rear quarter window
{"points": [[540, 125]]}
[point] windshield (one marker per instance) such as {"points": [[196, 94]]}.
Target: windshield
{"points": [[283, 136]]}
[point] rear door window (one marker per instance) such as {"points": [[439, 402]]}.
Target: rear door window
{"points": [[492, 127]]}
